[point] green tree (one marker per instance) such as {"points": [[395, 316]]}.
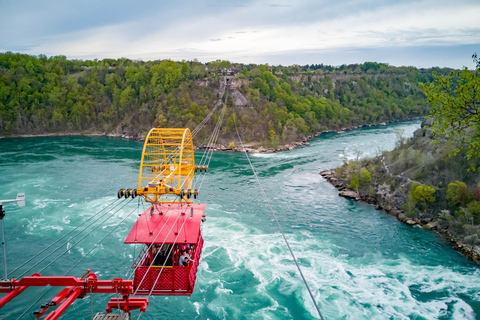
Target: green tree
{"points": [[455, 102], [354, 184], [457, 193], [423, 194], [365, 177]]}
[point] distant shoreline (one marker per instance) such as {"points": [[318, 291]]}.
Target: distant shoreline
{"points": [[250, 147]]}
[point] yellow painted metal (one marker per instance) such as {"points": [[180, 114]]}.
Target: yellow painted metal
{"points": [[167, 166]]}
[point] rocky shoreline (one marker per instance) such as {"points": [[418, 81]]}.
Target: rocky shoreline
{"points": [[249, 147], [394, 210]]}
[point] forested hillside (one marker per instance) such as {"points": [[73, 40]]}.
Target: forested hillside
{"points": [[432, 179], [40, 94]]}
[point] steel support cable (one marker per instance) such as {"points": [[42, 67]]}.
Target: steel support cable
{"points": [[151, 263], [198, 127], [202, 124], [50, 245], [153, 241], [215, 135], [171, 249], [86, 255], [156, 236], [209, 157], [209, 152], [66, 242], [74, 245], [217, 127], [278, 224], [211, 139], [100, 242]]}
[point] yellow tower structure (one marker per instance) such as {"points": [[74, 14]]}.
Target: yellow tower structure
{"points": [[167, 166]]}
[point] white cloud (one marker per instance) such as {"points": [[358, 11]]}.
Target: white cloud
{"points": [[260, 29]]}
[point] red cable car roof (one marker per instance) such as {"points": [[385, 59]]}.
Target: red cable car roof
{"points": [[157, 227]]}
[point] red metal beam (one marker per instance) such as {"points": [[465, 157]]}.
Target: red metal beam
{"points": [[128, 304], [75, 288], [119, 285], [65, 304], [55, 301], [11, 295]]}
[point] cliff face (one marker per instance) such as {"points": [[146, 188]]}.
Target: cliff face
{"points": [[420, 183]]}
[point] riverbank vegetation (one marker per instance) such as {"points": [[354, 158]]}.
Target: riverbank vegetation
{"points": [[40, 94], [432, 179]]}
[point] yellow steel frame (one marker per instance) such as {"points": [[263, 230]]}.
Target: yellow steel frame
{"points": [[168, 164]]}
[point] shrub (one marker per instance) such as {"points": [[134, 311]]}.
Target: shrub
{"points": [[424, 194], [354, 184], [457, 193], [365, 177], [472, 240], [474, 209]]}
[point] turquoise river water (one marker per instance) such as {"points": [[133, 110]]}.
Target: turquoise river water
{"points": [[360, 263]]}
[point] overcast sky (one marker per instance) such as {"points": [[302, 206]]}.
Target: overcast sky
{"points": [[421, 33]]}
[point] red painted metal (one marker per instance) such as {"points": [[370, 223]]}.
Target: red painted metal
{"points": [[12, 294], [75, 288], [128, 304], [173, 280], [156, 226], [148, 227], [55, 314], [55, 301], [125, 287], [193, 272]]}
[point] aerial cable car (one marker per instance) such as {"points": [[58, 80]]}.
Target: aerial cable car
{"points": [[171, 226], [173, 223]]}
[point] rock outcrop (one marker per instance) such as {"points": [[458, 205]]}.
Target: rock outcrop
{"points": [[391, 202]]}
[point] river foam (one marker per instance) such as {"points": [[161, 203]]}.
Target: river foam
{"points": [[344, 287], [360, 263]]}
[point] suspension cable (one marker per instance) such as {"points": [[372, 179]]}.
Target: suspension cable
{"points": [[43, 250], [74, 245], [171, 249], [212, 138], [59, 247], [153, 241], [151, 263], [210, 155], [217, 129], [81, 259], [200, 126], [278, 224], [100, 242]]}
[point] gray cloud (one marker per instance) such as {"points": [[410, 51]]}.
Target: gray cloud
{"points": [[263, 29]]}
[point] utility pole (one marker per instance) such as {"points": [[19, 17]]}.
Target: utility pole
{"points": [[20, 200]]}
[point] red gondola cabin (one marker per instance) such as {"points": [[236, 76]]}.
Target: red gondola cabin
{"points": [[166, 231]]}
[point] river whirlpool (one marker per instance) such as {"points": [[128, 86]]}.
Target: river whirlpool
{"points": [[359, 262]]}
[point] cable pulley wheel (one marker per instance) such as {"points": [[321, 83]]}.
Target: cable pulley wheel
{"points": [[120, 193], [128, 193]]}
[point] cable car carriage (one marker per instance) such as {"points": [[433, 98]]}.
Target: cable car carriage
{"points": [[171, 228]]}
